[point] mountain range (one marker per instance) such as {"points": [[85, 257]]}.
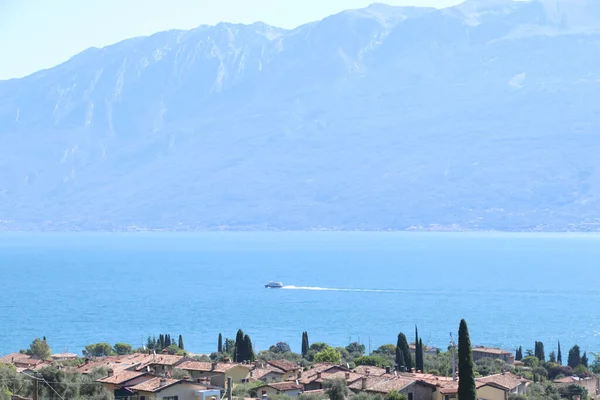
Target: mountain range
{"points": [[482, 116]]}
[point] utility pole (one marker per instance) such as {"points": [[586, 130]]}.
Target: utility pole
{"points": [[229, 388], [35, 389]]}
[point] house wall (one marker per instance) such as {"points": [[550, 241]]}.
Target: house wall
{"points": [[418, 392], [272, 377], [289, 375], [590, 384], [183, 391], [269, 391], [491, 393], [507, 358]]}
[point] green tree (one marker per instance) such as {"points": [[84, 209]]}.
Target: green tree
{"points": [[336, 389], [280, 348], [574, 359], [220, 344], [98, 350], [539, 351], [400, 359], [403, 345], [418, 351], [559, 355], [356, 349], [375, 361], [248, 350], [173, 350], [328, 354], [239, 354], [466, 383], [552, 357], [305, 345], [584, 359], [123, 349], [180, 344], [519, 353], [421, 366], [161, 342], [40, 349], [229, 346], [395, 395]]}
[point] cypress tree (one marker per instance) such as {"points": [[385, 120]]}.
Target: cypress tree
{"points": [[180, 345], [584, 359], [552, 357], [542, 356], [220, 344], [249, 351], [238, 354], [519, 353], [417, 353], [400, 362], [574, 359], [559, 355], [466, 382], [403, 345], [421, 366], [304, 344], [161, 342]]}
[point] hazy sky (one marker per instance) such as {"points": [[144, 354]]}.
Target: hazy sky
{"points": [[38, 34]]}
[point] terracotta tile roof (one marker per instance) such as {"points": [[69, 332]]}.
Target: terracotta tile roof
{"points": [[160, 359], [21, 359], [284, 386], [203, 366], [122, 377], [259, 373], [369, 370], [383, 384], [284, 365], [507, 380], [154, 384], [349, 377], [490, 350]]}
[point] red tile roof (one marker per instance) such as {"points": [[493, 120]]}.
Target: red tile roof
{"points": [[506, 381], [203, 366], [122, 377], [383, 384], [154, 384], [284, 365], [489, 350], [284, 386]]}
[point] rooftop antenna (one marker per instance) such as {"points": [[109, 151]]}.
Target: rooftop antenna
{"points": [[453, 345]]}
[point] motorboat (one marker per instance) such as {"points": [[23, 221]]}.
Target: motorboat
{"points": [[274, 285]]}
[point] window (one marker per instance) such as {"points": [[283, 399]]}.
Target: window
{"points": [[142, 397], [410, 396]]}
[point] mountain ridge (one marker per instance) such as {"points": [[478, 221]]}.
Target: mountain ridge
{"points": [[415, 119]]}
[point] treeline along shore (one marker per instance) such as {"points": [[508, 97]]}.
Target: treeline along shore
{"points": [[408, 369]]}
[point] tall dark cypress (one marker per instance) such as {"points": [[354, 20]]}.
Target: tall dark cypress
{"points": [[559, 355], [238, 353], [542, 356], [400, 362], [403, 345], [584, 359], [417, 355], [161, 342], [304, 344], [519, 353], [249, 350], [220, 344], [180, 344], [421, 366], [466, 381]]}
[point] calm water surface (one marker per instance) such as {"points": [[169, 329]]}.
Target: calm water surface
{"points": [[513, 289]]}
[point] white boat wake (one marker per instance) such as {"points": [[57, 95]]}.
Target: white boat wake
{"points": [[290, 287]]}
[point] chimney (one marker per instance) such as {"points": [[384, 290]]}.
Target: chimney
{"points": [[363, 383], [111, 372], [251, 373], [213, 366], [347, 374], [319, 375], [163, 382], [387, 370]]}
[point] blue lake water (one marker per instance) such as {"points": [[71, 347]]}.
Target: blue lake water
{"points": [[512, 289]]}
